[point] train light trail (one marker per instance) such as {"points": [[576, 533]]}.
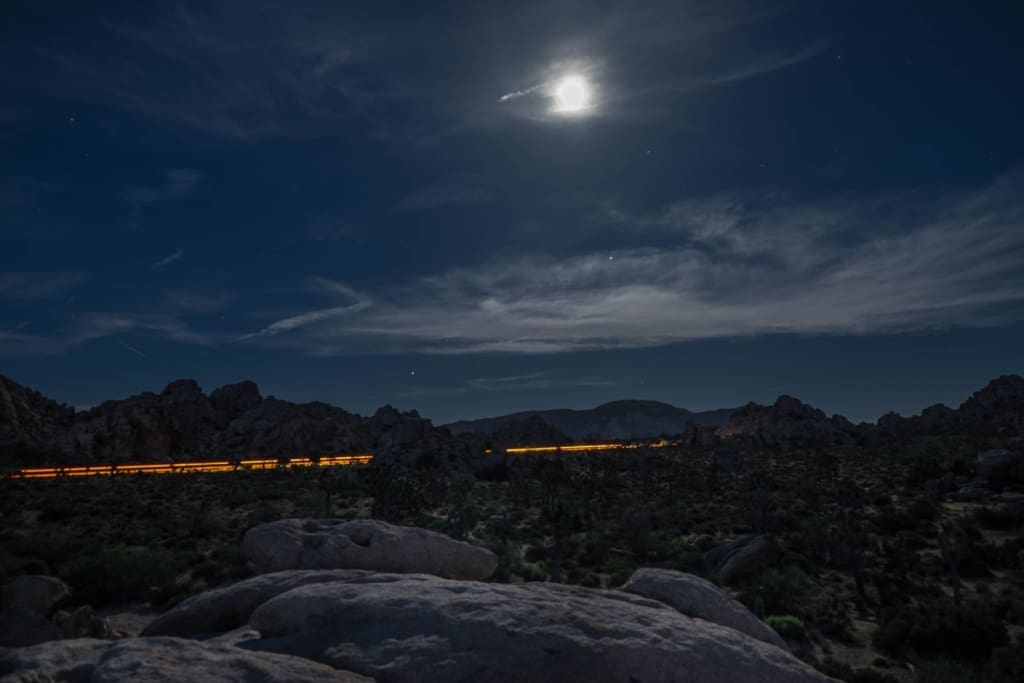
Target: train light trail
{"points": [[184, 467], [299, 461]]}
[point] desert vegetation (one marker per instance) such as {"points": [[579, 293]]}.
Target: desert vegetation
{"points": [[861, 560]]}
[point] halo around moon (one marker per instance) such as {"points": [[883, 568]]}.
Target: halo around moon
{"points": [[571, 95]]}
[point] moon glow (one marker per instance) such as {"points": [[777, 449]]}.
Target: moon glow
{"points": [[571, 94]]}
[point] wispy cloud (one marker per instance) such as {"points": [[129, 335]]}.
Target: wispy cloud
{"points": [[446, 194], [82, 328], [332, 230], [32, 286], [520, 93], [309, 318], [239, 72], [324, 286], [169, 259], [198, 299], [134, 350], [736, 266], [533, 381], [177, 182]]}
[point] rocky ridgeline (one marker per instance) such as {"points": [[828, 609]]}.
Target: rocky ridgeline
{"points": [[995, 410], [378, 607], [788, 421], [183, 422], [235, 421]]}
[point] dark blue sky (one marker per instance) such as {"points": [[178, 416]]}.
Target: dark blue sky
{"points": [[388, 202]]}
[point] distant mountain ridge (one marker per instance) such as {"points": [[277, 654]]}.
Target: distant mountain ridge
{"points": [[237, 421], [624, 419], [184, 422]]}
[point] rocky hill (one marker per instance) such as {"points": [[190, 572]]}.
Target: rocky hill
{"points": [[616, 420], [183, 422], [788, 421], [27, 418], [996, 409]]}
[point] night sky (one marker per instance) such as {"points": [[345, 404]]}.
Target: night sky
{"points": [[475, 208]]}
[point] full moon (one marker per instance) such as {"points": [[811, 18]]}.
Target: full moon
{"points": [[571, 94]]}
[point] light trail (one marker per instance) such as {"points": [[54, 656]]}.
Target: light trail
{"points": [[285, 463], [181, 467]]}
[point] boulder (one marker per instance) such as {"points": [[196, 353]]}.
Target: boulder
{"points": [[743, 557], [34, 594], [159, 659], [421, 628], [994, 465], [18, 629], [700, 599], [363, 544], [82, 623], [228, 608]]}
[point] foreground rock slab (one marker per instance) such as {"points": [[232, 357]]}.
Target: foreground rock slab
{"points": [[695, 597], [363, 544], [228, 608], [405, 628], [156, 660]]}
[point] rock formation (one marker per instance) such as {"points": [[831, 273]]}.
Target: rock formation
{"points": [[30, 613], [181, 422], [700, 599], [418, 628], [159, 660], [743, 557], [789, 422], [363, 544]]}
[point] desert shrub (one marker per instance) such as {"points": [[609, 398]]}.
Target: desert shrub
{"points": [[845, 672], [116, 575], [776, 591], [832, 619], [953, 671], [594, 550], [967, 632], [787, 626]]}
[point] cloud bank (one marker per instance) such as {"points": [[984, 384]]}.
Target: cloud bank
{"points": [[735, 266]]}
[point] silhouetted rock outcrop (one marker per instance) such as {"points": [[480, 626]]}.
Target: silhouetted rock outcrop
{"points": [[995, 410], [27, 420], [235, 421], [788, 421]]}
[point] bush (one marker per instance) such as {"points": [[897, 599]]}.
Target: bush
{"points": [[776, 591], [845, 672], [952, 671], [787, 626], [967, 632], [116, 575]]}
